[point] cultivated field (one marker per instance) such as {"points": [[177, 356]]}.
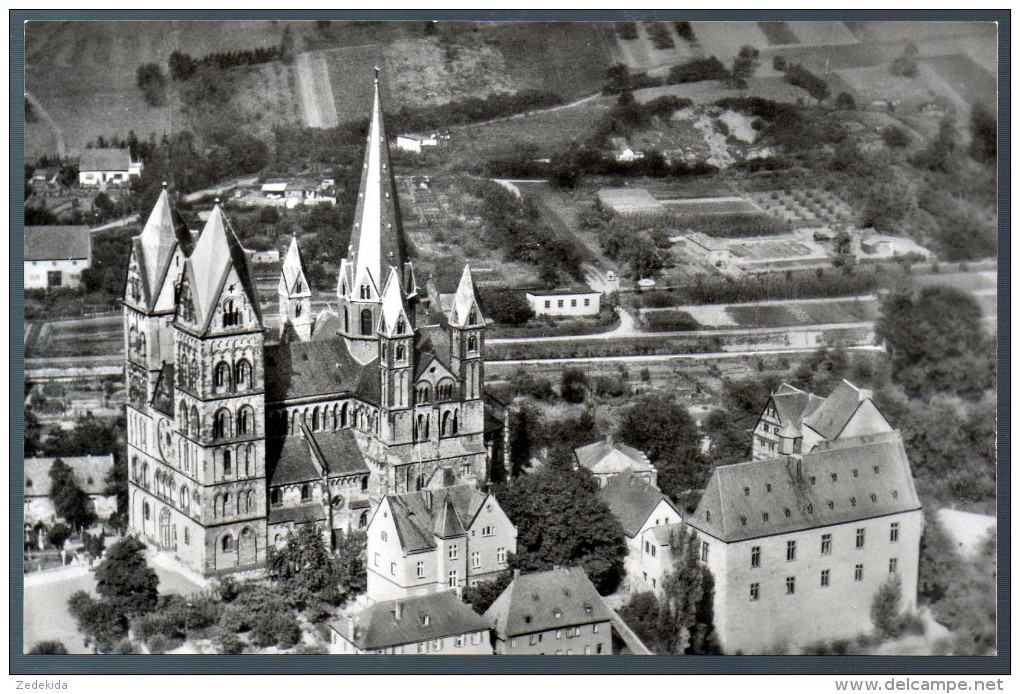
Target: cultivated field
{"points": [[87, 337], [641, 54], [965, 77], [821, 33], [724, 39], [699, 206]]}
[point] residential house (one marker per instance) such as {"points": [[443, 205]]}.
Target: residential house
{"points": [[555, 612], [606, 458], [56, 256], [90, 472], [641, 507], [413, 142], [103, 165], [795, 421], [434, 624], [571, 301], [799, 545], [437, 538], [884, 247]]}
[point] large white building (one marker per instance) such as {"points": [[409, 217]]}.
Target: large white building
{"points": [[56, 256], [103, 165], [572, 301]]}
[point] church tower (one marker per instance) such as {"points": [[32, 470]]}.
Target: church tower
{"points": [[396, 358], [219, 407], [467, 351], [376, 244], [295, 297]]}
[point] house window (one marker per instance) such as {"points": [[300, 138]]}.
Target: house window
{"points": [[894, 532], [859, 572], [423, 647], [587, 302], [375, 559], [791, 550], [426, 620], [893, 565], [598, 649], [452, 579], [559, 303], [754, 592], [421, 569], [825, 578], [860, 538], [755, 557], [453, 552], [826, 544], [573, 303], [437, 645], [704, 551], [476, 560], [488, 531], [458, 642], [791, 585], [559, 633], [501, 555], [595, 628], [393, 568], [187, 535], [548, 304]]}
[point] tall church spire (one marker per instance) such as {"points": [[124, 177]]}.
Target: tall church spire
{"points": [[377, 238]]}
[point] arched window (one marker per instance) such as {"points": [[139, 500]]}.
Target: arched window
{"points": [[242, 374], [364, 484], [455, 422], [145, 475], [297, 310], [141, 345], [422, 395], [231, 315], [226, 503], [221, 425], [227, 543], [347, 321], [401, 327], [249, 460], [195, 422], [400, 352], [473, 317], [193, 372], [246, 421], [343, 415], [366, 322], [183, 416], [134, 468], [185, 499], [444, 426], [366, 293], [362, 520], [315, 419], [306, 492], [133, 339], [249, 503], [221, 376], [275, 496], [227, 467], [472, 343]]}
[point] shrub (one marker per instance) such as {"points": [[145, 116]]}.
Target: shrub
{"points": [[799, 76], [894, 136], [152, 82], [53, 647], [698, 70], [685, 31], [574, 385], [905, 65], [228, 643], [628, 31], [845, 102], [160, 644], [659, 35]]}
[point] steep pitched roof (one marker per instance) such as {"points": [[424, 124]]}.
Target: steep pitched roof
{"points": [[105, 159], [465, 299], [90, 471], [631, 499], [421, 618], [320, 367], [295, 282], [163, 393], [289, 461], [217, 251], [394, 309], [792, 405], [610, 456], [831, 416], [164, 231], [545, 600], [862, 477], [57, 243], [377, 239], [337, 452], [420, 516]]}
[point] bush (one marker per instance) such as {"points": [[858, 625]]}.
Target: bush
{"points": [[228, 643], [698, 70], [799, 76], [628, 31], [506, 305], [659, 35], [152, 82], [905, 65], [845, 102], [53, 647], [894, 136], [574, 385], [685, 31]]}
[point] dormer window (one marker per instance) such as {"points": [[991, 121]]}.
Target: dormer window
{"points": [[747, 491], [832, 505], [876, 469], [426, 620], [786, 512], [874, 498], [365, 292], [853, 501], [765, 517], [743, 520], [768, 488], [834, 478]]}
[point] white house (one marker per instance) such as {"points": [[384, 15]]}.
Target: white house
{"points": [[413, 142], [606, 458], [104, 165], [574, 301], [55, 256], [90, 472]]}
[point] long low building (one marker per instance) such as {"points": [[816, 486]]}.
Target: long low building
{"points": [[56, 256], [571, 301]]}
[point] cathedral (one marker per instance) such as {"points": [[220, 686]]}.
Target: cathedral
{"points": [[239, 431]]}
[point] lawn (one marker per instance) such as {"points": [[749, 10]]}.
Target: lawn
{"points": [[778, 33], [821, 33], [725, 39], [878, 83]]}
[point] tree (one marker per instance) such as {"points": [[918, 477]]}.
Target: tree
{"points": [[482, 595], [885, 607], [506, 306], [69, 500], [779, 62], [102, 623], [561, 521], [983, 134], [894, 136], [905, 65], [685, 609], [124, 579], [48, 648], [937, 155], [525, 421], [182, 66], [845, 102], [574, 385], [152, 82], [659, 426], [641, 614], [744, 66], [730, 441], [93, 544], [350, 558], [57, 535], [305, 569]]}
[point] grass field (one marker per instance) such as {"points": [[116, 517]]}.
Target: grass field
{"points": [[699, 206], [778, 33], [89, 337], [965, 77], [821, 33], [724, 39]]}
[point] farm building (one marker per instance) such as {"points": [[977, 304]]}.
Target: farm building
{"points": [[90, 472], [758, 255], [622, 152], [880, 246], [275, 190], [55, 256], [296, 192], [414, 143], [709, 250], [573, 301], [103, 165], [628, 201]]}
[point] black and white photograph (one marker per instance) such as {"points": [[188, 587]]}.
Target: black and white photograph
{"points": [[509, 338]]}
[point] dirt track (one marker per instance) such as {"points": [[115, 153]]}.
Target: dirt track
{"points": [[317, 107]]}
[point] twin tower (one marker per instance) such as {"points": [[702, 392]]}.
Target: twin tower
{"points": [[236, 438]]}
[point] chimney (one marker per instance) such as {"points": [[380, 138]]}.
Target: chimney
{"points": [[799, 460], [397, 610], [350, 627]]}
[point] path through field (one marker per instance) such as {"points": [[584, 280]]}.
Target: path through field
{"points": [[317, 107], [52, 124]]}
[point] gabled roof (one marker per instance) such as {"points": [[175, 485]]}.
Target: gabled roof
{"points": [[831, 416], [164, 231], [606, 456], [421, 618], [465, 298], [553, 599], [289, 460], [305, 513], [90, 471], [217, 251], [319, 367], [57, 243], [631, 499], [337, 452], [105, 159], [792, 405], [293, 271], [377, 238], [393, 307], [445, 512], [796, 493], [163, 393]]}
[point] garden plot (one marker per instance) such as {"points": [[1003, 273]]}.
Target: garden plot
{"points": [[965, 77], [722, 205], [778, 33], [725, 39], [88, 337], [876, 83], [804, 207], [821, 33]]}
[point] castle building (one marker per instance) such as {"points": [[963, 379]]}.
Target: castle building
{"points": [[235, 439]]}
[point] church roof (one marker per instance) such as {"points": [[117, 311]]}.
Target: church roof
{"points": [[289, 461], [305, 513], [163, 393], [319, 367], [421, 516], [829, 418], [217, 251], [544, 600], [465, 298], [377, 238], [163, 232], [294, 271], [393, 306], [337, 452], [631, 499], [862, 477]]}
